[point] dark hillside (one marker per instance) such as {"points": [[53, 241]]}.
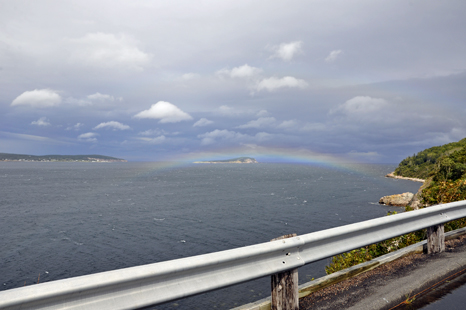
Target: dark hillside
{"points": [[422, 164], [448, 179]]}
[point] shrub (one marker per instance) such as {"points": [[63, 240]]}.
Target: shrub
{"points": [[445, 166], [372, 251]]}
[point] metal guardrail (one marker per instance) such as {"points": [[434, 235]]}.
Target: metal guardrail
{"points": [[157, 283]]}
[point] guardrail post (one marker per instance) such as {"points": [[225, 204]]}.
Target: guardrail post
{"points": [[285, 294], [435, 239]]}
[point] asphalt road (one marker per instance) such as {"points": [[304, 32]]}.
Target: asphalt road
{"points": [[394, 284]]}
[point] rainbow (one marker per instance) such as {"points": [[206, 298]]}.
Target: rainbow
{"points": [[261, 154]]}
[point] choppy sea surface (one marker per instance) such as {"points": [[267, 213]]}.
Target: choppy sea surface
{"points": [[61, 220]]}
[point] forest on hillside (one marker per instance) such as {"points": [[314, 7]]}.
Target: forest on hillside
{"points": [[443, 167], [422, 164]]}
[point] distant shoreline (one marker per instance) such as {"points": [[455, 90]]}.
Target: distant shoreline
{"points": [[7, 157], [393, 176], [63, 161]]}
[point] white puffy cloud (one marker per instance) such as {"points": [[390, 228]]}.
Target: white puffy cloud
{"points": [[113, 125], [363, 110], [211, 137], [288, 124], [88, 137], [190, 76], [228, 111], [166, 112], [108, 50], [79, 102], [43, 121], [156, 140], [333, 55], [258, 123], [91, 99], [153, 132], [244, 71], [299, 126], [262, 113], [361, 105], [313, 127], [238, 112], [38, 98], [263, 136], [202, 122], [75, 127], [287, 51], [273, 83], [103, 97]]}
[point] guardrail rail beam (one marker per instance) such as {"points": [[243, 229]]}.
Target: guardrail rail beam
{"points": [[157, 283]]}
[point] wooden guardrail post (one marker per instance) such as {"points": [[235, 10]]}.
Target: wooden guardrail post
{"points": [[285, 294], [435, 239]]}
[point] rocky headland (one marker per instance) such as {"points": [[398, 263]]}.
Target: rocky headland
{"points": [[405, 199]]}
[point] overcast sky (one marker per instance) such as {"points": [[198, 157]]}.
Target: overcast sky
{"points": [[372, 81]]}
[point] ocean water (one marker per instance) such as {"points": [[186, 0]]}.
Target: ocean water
{"points": [[61, 220]]}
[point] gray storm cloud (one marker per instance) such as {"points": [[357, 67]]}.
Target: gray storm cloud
{"points": [[133, 78]]}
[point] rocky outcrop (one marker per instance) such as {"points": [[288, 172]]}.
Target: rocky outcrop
{"points": [[417, 200], [399, 200]]}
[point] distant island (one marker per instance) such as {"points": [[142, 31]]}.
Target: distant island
{"points": [[239, 160], [60, 158]]}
